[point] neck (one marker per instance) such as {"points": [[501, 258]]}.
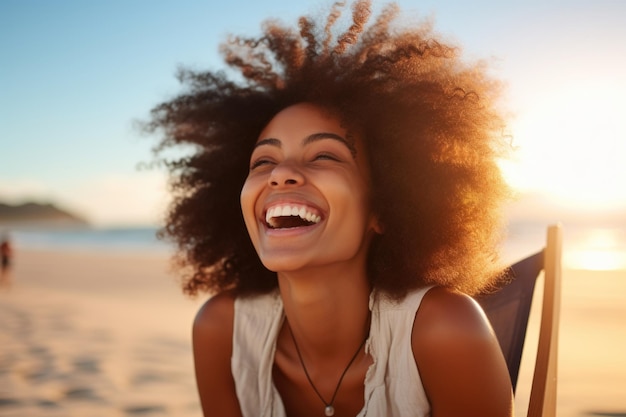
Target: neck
{"points": [[327, 310]]}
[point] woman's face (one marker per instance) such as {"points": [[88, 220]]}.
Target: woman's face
{"points": [[306, 199]]}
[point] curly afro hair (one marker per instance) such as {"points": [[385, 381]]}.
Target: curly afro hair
{"points": [[428, 119]]}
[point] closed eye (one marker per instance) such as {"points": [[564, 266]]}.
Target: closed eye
{"points": [[326, 156], [260, 162]]}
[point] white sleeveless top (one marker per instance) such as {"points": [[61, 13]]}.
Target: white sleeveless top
{"points": [[393, 387]]}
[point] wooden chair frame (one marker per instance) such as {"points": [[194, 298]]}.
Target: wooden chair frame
{"points": [[508, 310]]}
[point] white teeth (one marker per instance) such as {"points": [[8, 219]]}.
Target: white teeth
{"points": [[287, 210]]}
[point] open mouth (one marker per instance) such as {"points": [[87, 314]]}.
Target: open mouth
{"points": [[289, 216]]}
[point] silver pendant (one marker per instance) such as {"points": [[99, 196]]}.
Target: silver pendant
{"points": [[329, 410]]}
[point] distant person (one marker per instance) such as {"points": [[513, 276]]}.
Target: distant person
{"points": [[343, 198], [6, 254]]}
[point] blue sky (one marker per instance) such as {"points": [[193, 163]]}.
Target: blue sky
{"points": [[74, 75]]}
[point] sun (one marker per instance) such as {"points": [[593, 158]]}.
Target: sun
{"points": [[571, 144]]}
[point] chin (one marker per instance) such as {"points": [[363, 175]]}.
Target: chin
{"points": [[282, 264]]}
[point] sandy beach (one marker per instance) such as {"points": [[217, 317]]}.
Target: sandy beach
{"points": [[86, 334]]}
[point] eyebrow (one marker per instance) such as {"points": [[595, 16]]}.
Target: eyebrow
{"points": [[310, 139]]}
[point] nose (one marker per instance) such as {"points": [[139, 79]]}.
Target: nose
{"points": [[285, 174]]}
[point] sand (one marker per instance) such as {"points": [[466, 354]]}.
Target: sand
{"points": [[85, 334], [592, 346]]}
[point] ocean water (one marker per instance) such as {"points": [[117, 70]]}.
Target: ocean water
{"points": [[121, 239], [584, 246]]}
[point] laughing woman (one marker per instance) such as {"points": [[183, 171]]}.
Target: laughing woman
{"points": [[341, 206]]}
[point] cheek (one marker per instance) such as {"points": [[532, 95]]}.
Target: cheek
{"points": [[352, 199], [247, 199], [362, 209]]}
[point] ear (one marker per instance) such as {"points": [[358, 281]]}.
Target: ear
{"points": [[376, 224]]}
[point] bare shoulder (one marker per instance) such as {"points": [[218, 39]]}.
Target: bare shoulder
{"points": [[216, 315], [212, 350], [445, 314], [459, 358]]}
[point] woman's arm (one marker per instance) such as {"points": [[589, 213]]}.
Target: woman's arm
{"points": [[459, 359], [212, 349]]}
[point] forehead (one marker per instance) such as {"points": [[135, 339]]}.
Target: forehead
{"points": [[301, 120]]}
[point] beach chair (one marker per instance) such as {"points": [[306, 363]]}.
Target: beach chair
{"points": [[508, 310]]}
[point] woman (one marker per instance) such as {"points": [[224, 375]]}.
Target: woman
{"points": [[342, 201]]}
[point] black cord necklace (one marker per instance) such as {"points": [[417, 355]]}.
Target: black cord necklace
{"points": [[329, 410]]}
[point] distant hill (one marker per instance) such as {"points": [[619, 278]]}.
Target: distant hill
{"points": [[38, 215]]}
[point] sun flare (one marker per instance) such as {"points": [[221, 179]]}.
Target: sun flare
{"points": [[571, 145], [597, 249]]}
